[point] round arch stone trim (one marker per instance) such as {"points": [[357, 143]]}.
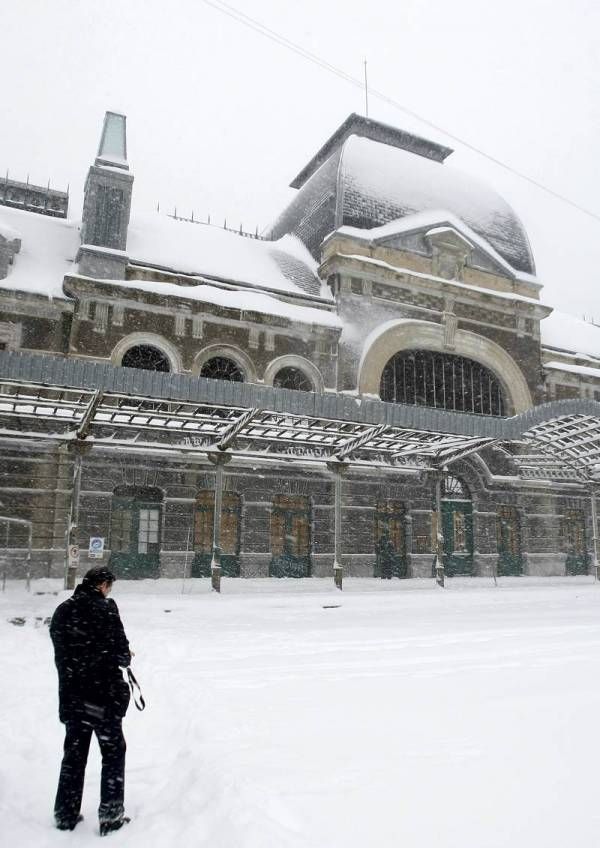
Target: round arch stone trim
{"points": [[406, 334], [299, 362], [152, 340], [240, 358]]}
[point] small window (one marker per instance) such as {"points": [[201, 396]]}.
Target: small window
{"points": [[293, 378], [222, 368], [147, 358], [454, 489]]}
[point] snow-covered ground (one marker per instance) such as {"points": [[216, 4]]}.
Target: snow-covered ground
{"points": [[284, 714]]}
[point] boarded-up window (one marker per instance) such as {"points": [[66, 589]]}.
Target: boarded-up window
{"points": [[573, 531], [389, 525], [290, 526], [507, 531], [230, 522]]}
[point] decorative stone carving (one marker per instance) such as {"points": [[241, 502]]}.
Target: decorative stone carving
{"points": [[450, 323], [197, 327], [101, 317]]}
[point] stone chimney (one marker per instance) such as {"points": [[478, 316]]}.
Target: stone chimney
{"points": [[107, 204]]}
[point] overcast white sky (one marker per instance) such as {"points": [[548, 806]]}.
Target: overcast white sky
{"points": [[220, 119]]}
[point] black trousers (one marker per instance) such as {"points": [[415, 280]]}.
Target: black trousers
{"points": [[72, 771]]}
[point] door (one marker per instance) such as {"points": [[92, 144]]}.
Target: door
{"points": [[573, 536], [290, 536], [390, 543], [135, 532], [231, 509], [508, 532], [457, 527]]}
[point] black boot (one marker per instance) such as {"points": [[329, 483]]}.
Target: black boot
{"points": [[63, 824], [107, 827]]}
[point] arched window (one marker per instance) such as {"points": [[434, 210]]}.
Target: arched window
{"points": [[442, 381], [222, 368], [454, 489], [293, 378], [147, 358]]}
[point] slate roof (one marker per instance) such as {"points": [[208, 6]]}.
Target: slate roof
{"points": [[368, 181]]}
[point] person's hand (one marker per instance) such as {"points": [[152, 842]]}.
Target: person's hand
{"points": [[131, 653]]}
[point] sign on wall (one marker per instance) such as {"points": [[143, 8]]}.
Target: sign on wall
{"points": [[96, 548]]}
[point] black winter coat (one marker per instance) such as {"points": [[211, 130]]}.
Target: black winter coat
{"points": [[90, 646]]}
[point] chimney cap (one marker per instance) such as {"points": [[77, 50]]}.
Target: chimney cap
{"points": [[113, 141]]}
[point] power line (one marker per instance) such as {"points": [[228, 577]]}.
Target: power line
{"points": [[271, 34]]}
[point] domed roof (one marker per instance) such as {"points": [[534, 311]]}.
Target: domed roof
{"points": [[379, 183], [368, 174]]}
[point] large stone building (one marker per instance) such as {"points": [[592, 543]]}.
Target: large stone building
{"points": [[390, 277]]}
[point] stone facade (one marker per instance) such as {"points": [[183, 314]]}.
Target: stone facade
{"points": [[438, 287]]}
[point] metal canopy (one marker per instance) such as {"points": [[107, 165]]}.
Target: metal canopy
{"points": [[110, 419], [46, 397]]}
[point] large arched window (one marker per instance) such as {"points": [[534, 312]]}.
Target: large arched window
{"points": [[146, 357], [222, 368], [442, 381], [293, 378]]}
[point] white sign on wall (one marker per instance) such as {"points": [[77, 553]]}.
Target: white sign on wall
{"points": [[96, 548]]}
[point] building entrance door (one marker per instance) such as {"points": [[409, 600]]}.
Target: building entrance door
{"points": [[204, 520], [508, 531], [457, 527], [390, 543], [290, 536], [135, 532], [573, 534]]}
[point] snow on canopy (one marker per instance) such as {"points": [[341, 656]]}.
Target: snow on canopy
{"points": [[48, 249], [566, 332], [381, 183], [200, 249]]}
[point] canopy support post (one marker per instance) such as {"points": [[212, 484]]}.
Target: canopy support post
{"points": [[438, 563], [338, 469], [595, 532], [219, 460]]}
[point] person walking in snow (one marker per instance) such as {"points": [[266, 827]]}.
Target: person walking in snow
{"points": [[90, 648]]}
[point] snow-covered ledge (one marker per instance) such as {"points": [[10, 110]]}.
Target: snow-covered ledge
{"points": [[101, 263]]}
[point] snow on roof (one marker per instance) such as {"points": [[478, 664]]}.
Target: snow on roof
{"points": [[435, 221], [382, 183], [566, 332], [48, 249], [199, 249], [249, 301], [574, 369]]}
